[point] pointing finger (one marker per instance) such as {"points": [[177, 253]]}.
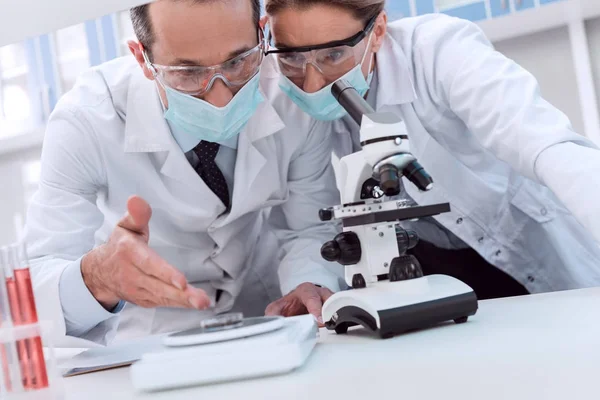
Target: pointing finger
{"points": [[312, 301], [275, 308], [325, 294]]}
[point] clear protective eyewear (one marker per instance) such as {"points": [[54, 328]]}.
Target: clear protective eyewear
{"points": [[197, 80], [333, 59]]}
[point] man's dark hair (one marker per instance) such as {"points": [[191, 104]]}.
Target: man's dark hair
{"points": [[142, 26]]}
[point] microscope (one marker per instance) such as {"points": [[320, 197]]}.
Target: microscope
{"points": [[389, 294]]}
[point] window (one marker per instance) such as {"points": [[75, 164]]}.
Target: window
{"points": [[446, 4], [125, 31], [16, 108], [397, 10], [36, 73], [72, 53]]}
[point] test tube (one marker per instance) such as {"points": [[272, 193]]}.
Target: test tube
{"points": [[17, 317], [37, 363], [11, 366]]}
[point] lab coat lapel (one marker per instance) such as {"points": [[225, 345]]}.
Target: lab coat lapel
{"points": [[395, 76], [177, 167], [396, 92], [146, 131], [252, 158]]}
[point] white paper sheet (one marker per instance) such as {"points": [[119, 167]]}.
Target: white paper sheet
{"points": [[122, 354]]}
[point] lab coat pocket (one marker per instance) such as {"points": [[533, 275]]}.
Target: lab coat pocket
{"points": [[276, 199], [534, 201]]}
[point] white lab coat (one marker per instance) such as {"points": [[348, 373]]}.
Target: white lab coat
{"points": [[108, 140], [477, 123]]}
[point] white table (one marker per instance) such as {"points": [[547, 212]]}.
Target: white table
{"points": [[536, 347]]}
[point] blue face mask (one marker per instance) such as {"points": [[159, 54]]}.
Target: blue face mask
{"points": [[322, 105], [204, 121]]}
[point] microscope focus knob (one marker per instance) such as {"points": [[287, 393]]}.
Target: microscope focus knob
{"points": [[331, 251], [407, 240], [325, 214], [344, 249]]}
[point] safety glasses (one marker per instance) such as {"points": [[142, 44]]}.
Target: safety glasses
{"points": [[333, 59], [198, 80]]}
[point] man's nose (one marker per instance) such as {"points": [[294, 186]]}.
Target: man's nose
{"points": [[314, 80], [219, 94]]}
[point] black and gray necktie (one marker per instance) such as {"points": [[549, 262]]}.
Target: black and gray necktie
{"points": [[210, 172]]}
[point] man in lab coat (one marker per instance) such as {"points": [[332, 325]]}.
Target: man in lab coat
{"points": [[181, 185]]}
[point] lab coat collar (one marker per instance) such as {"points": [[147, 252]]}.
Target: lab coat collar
{"points": [[147, 131], [394, 75]]}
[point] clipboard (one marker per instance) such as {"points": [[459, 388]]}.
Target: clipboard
{"points": [[100, 359], [88, 370]]}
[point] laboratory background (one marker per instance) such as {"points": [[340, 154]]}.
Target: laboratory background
{"points": [[561, 49]]}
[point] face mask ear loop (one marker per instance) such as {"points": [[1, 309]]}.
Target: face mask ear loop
{"points": [[158, 82], [365, 55]]}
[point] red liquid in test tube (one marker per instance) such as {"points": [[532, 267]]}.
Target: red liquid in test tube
{"points": [[24, 288], [14, 354], [22, 345], [5, 323], [36, 354]]}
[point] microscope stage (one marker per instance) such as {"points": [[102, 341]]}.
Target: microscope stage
{"points": [[392, 308]]}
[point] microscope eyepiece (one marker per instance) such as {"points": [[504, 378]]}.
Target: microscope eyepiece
{"points": [[415, 173], [389, 180], [353, 103]]}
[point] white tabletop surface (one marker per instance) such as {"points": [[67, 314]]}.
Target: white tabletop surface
{"points": [[534, 347]]}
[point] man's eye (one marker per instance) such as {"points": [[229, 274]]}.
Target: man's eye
{"points": [[335, 55], [235, 63]]}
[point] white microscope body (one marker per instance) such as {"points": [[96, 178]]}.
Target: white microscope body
{"points": [[389, 293]]}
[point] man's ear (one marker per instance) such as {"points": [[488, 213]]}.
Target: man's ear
{"points": [[379, 31], [137, 50]]}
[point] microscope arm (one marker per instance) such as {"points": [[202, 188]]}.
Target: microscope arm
{"points": [[351, 168]]}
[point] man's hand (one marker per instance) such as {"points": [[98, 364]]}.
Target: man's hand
{"points": [[306, 298], [125, 268]]}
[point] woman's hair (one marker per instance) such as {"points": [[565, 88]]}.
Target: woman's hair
{"points": [[361, 9]]}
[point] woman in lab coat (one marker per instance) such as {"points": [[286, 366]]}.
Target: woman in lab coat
{"points": [[521, 183]]}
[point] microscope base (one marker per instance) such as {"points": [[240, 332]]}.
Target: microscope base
{"points": [[392, 308]]}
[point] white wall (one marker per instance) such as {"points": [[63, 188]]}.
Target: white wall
{"points": [[547, 55], [18, 174]]}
